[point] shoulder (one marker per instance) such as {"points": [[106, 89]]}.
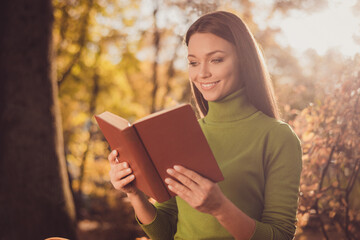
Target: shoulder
{"points": [[281, 133], [281, 130], [277, 131], [282, 144]]}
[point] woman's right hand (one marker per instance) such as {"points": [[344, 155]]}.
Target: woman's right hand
{"points": [[122, 178], [121, 175]]}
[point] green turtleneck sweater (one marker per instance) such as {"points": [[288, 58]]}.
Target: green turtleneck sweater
{"points": [[260, 158]]}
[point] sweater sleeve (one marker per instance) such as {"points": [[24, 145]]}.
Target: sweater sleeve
{"points": [[282, 169], [164, 224]]}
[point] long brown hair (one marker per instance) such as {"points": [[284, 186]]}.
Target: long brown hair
{"points": [[253, 71]]}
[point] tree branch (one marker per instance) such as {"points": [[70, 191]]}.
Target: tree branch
{"points": [[92, 107], [155, 64], [170, 72], [81, 42]]}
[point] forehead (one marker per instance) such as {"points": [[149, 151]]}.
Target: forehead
{"points": [[203, 43]]}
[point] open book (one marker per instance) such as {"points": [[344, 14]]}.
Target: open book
{"points": [[158, 142]]}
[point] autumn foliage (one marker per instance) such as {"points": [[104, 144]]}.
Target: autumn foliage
{"points": [[128, 57], [330, 133]]}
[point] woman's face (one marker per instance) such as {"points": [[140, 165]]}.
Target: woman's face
{"points": [[213, 66]]}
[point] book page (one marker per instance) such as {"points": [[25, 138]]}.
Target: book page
{"points": [[116, 121]]}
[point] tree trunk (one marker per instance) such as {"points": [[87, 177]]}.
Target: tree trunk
{"points": [[35, 197]]}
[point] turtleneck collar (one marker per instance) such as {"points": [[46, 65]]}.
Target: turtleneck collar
{"points": [[235, 106]]}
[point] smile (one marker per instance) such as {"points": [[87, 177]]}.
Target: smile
{"points": [[208, 86]]}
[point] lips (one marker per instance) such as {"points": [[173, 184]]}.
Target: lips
{"points": [[208, 85]]}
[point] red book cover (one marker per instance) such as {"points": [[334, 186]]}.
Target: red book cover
{"points": [[158, 142]]}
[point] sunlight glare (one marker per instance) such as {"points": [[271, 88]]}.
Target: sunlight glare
{"points": [[334, 27]]}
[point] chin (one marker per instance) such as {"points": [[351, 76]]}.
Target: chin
{"points": [[212, 98]]}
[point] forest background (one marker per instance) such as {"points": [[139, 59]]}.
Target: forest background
{"points": [[128, 57]]}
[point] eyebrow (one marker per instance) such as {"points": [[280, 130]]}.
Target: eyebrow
{"points": [[208, 54]]}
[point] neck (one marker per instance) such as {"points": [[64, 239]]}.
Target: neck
{"points": [[235, 106]]}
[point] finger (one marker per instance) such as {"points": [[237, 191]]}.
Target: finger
{"points": [[195, 177], [185, 176], [119, 171], [182, 178], [179, 189], [112, 157], [124, 182], [122, 174], [120, 166]]}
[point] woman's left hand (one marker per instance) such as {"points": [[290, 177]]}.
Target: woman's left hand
{"points": [[199, 192]]}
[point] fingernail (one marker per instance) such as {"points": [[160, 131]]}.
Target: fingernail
{"points": [[124, 164], [170, 171], [177, 168], [167, 180], [128, 170], [132, 176]]}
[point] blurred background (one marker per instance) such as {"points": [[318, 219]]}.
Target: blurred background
{"points": [[129, 58]]}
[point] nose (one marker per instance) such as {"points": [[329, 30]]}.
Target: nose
{"points": [[204, 71]]}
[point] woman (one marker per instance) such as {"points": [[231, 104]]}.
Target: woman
{"points": [[259, 156]]}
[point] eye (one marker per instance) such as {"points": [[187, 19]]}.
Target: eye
{"points": [[193, 63], [217, 60]]}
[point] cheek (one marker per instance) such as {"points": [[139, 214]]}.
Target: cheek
{"points": [[192, 74], [223, 72], [230, 68]]}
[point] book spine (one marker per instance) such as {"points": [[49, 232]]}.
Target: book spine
{"points": [[147, 178]]}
